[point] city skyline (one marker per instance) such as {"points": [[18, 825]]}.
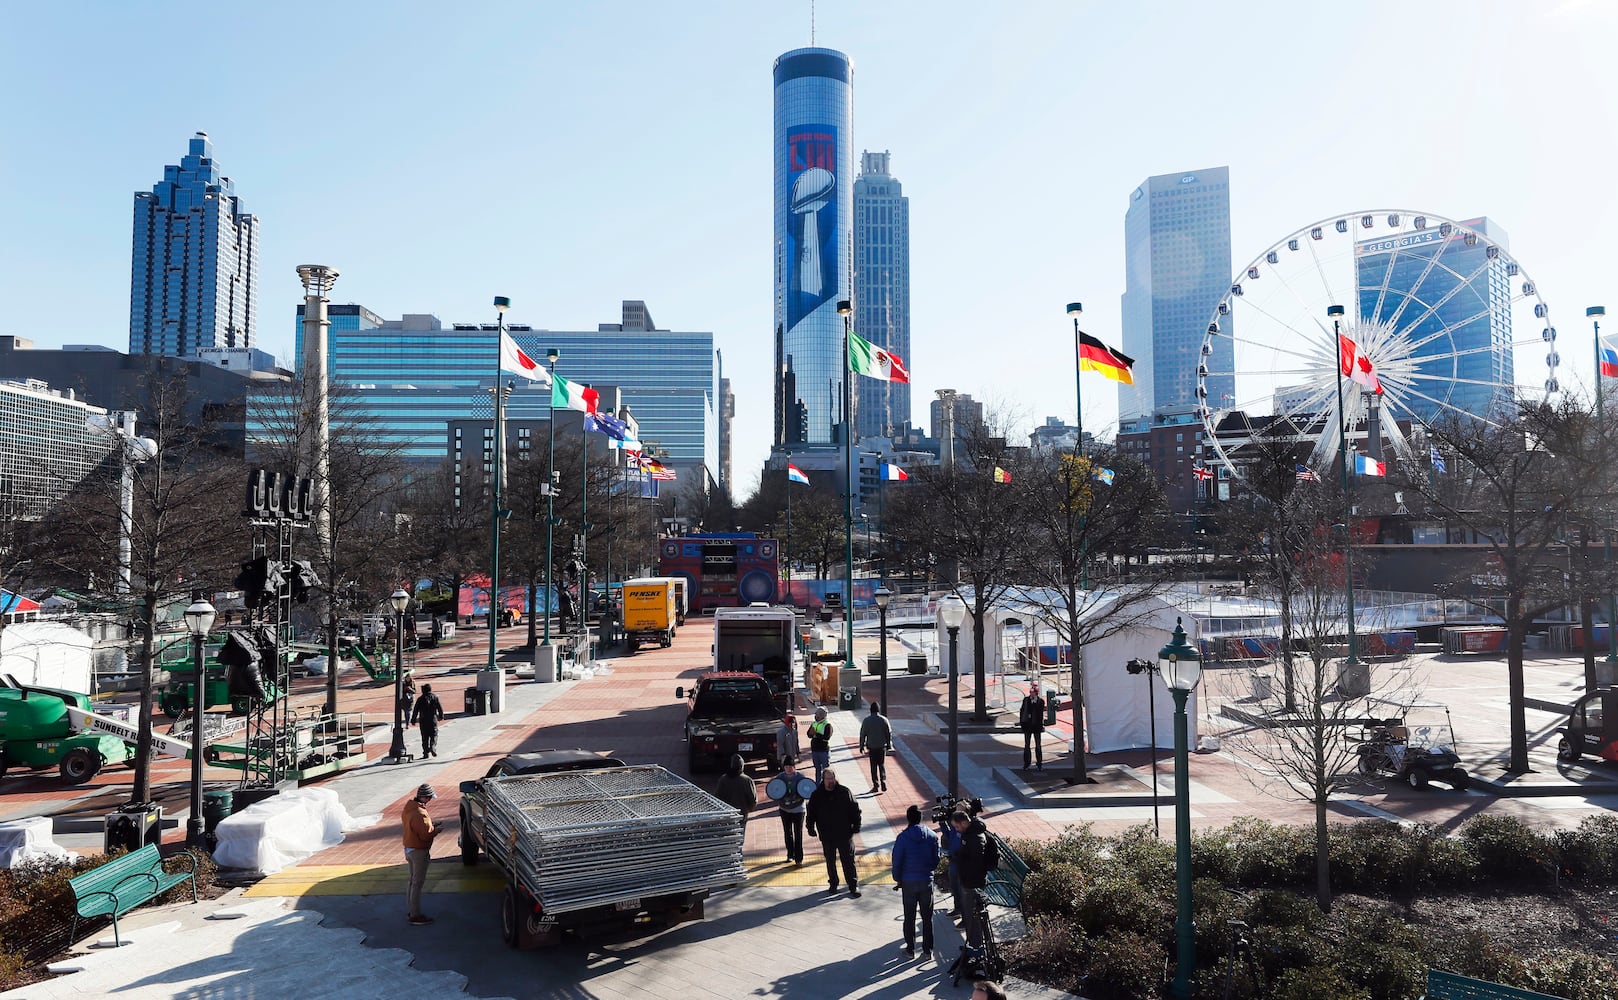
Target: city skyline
{"points": [[881, 290], [453, 187]]}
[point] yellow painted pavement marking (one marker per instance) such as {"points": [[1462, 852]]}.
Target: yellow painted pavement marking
{"points": [[382, 880]]}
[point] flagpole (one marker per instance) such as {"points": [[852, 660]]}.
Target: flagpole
{"points": [[1075, 309], [550, 498], [584, 523], [787, 553], [882, 529], [501, 304], [845, 308], [1335, 313], [1596, 314]]}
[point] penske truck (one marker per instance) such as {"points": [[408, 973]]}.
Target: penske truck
{"points": [[650, 611]]}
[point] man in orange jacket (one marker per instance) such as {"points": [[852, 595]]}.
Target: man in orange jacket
{"points": [[418, 847]]}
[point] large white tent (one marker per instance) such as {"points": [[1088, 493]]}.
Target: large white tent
{"points": [[1119, 706], [47, 654]]}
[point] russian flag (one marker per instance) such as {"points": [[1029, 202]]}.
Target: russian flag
{"points": [[893, 473], [1365, 465], [1609, 362], [795, 475]]}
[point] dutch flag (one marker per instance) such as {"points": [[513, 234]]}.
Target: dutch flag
{"points": [[795, 475]]}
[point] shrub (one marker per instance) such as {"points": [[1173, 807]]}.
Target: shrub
{"points": [[1054, 890], [1315, 982], [1145, 858], [1478, 955], [1591, 851], [1270, 854], [1575, 975], [1076, 846], [1115, 901], [1508, 851], [1381, 953], [1370, 857], [1126, 966], [1053, 951], [1213, 907], [1284, 929]]}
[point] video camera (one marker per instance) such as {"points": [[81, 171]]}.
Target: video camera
{"points": [[946, 805]]}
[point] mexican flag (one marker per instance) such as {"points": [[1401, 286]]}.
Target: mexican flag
{"points": [[865, 358], [573, 396]]}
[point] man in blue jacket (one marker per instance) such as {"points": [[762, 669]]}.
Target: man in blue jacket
{"points": [[915, 859]]}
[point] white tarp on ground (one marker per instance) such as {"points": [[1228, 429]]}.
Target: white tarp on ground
{"points": [[284, 829], [47, 654], [25, 839], [1118, 706]]}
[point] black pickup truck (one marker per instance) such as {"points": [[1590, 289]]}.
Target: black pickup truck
{"points": [[730, 713]]}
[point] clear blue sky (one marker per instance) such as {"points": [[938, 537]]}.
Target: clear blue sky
{"points": [[570, 155]]}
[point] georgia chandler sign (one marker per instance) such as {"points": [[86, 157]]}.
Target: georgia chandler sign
{"points": [[276, 496]]}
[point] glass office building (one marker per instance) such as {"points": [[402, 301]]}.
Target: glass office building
{"points": [[413, 376], [1453, 302], [814, 168], [194, 269], [881, 291], [1177, 264], [48, 445]]}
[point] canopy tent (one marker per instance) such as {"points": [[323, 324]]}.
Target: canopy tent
{"points": [[17, 608], [1118, 706], [47, 654]]}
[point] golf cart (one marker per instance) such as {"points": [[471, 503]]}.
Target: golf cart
{"points": [[1592, 728], [1416, 746]]}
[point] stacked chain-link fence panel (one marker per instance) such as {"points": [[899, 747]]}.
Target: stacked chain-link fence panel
{"points": [[590, 838]]}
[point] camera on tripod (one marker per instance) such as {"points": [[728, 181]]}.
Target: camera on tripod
{"points": [[946, 805]]}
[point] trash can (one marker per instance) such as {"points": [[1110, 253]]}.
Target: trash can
{"points": [[1354, 679], [916, 663], [241, 798], [493, 683], [874, 665], [476, 702], [1050, 709], [848, 689], [216, 805], [131, 827]]}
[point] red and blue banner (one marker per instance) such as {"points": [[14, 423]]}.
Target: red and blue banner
{"points": [[813, 244]]}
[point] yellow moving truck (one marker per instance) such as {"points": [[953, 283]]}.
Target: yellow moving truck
{"points": [[649, 611]]}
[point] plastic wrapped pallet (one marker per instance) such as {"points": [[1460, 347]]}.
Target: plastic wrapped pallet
{"points": [[284, 829]]}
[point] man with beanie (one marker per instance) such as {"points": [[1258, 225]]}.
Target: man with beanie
{"points": [[736, 788], [820, 744], [915, 859], [973, 857], [428, 714], [836, 816], [418, 847], [876, 738], [786, 740]]}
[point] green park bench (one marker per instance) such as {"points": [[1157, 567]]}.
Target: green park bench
{"points": [[1449, 986], [124, 883], [1004, 886]]}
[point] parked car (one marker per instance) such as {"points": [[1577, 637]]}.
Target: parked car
{"points": [[1592, 728]]}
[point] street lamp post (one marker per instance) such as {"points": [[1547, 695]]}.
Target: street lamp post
{"points": [[951, 613], [1148, 667], [1181, 669], [1596, 315], [1335, 314], [198, 621], [501, 304], [550, 492], [845, 309], [883, 595], [400, 600]]}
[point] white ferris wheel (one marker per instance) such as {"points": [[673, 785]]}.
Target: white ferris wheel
{"points": [[1450, 322]]}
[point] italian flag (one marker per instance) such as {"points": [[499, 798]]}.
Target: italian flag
{"points": [[865, 358], [573, 396]]}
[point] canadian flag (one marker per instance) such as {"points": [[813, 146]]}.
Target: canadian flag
{"points": [[1355, 365]]}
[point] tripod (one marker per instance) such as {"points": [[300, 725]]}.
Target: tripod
{"points": [[989, 965], [1241, 946]]}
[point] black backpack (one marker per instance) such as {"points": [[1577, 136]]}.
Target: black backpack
{"points": [[991, 852]]}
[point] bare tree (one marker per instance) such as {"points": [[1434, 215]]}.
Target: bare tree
{"points": [[972, 518], [182, 533], [1085, 517]]}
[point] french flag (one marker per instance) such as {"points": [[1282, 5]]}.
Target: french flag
{"points": [[1609, 362], [893, 474], [795, 475], [1365, 465]]}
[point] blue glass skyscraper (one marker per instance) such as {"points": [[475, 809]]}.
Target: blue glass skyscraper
{"points": [[194, 268], [814, 172], [1177, 268], [1449, 296], [881, 291]]}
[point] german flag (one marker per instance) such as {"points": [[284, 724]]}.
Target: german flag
{"points": [[1094, 356], [1001, 475]]}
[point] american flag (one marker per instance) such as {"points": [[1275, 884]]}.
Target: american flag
{"points": [[1305, 476]]}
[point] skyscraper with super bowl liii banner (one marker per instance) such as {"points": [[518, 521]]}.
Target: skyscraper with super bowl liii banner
{"points": [[814, 177]]}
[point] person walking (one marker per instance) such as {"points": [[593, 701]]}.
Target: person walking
{"points": [[427, 715], [736, 788], [973, 857], [915, 859], [820, 744], [834, 816], [792, 808], [418, 849], [1031, 720], [407, 697], [786, 739], [876, 738]]}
